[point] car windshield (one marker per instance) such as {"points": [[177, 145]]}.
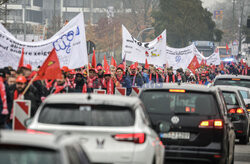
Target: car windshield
{"points": [[230, 98], [86, 115], [162, 102], [241, 82], [16, 154]]}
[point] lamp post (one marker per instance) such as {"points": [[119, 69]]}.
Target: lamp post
{"points": [[146, 29]]}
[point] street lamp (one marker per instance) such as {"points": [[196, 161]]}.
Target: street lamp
{"points": [[146, 29]]}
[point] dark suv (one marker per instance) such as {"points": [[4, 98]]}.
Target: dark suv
{"points": [[237, 111], [191, 121]]}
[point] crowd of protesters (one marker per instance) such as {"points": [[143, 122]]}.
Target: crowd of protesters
{"points": [[13, 82]]}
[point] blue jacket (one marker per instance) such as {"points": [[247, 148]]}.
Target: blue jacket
{"points": [[138, 80], [126, 82]]}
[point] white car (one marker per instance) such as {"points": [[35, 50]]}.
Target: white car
{"points": [[114, 129]]}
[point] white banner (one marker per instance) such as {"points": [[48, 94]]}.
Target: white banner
{"points": [[137, 51], [181, 57], [69, 42], [214, 59]]}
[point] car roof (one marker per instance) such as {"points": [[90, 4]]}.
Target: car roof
{"points": [[80, 98], [48, 141], [232, 88], [28, 139], [190, 87], [232, 76]]}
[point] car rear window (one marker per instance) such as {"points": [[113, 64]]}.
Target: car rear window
{"points": [[245, 94], [230, 98], [233, 82], [87, 115], [163, 102], [13, 154]]}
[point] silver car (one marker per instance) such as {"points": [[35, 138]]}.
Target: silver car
{"points": [[26, 148], [115, 129]]}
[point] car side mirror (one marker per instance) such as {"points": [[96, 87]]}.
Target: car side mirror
{"points": [[163, 127], [28, 121]]}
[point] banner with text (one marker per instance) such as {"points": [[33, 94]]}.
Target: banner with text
{"points": [[137, 51], [69, 42], [181, 57], [214, 59]]}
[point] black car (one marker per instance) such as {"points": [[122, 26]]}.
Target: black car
{"points": [[237, 112], [234, 80], [191, 121]]}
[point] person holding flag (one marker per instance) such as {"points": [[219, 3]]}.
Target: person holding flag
{"points": [[20, 90]]}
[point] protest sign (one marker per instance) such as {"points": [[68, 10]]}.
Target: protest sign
{"points": [[69, 43], [137, 51]]}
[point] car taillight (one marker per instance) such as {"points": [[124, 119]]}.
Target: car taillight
{"points": [[138, 138], [177, 90], [230, 111], [240, 111], [36, 132], [218, 124]]}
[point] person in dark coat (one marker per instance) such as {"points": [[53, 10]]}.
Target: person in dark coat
{"points": [[4, 116], [79, 81], [31, 94], [154, 76], [123, 81], [135, 77], [170, 77]]}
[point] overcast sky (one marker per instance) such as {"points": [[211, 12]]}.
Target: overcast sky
{"points": [[209, 3]]}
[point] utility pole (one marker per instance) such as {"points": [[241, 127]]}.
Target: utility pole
{"points": [[24, 20], [91, 11], [233, 19], [5, 14], [54, 16], [240, 25]]}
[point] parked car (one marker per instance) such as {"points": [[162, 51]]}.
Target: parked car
{"points": [[116, 128], [237, 111], [32, 147], [191, 121], [234, 80]]}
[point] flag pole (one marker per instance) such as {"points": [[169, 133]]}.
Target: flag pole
{"points": [[30, 82]]}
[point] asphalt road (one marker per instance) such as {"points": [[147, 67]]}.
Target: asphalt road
{"points": [[242, 154]]}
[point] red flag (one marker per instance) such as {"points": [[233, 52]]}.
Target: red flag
{"points": [[136, 65], [50, 68], [203, 62], [221, 66], [213, 67], [194, 64], [21, 59], [93, 60], [241, 61], [105, 65], [146, 64], [113, 62], [227, 48]]}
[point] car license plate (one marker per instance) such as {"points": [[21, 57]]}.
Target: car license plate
{"points": [[176, 135]]}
